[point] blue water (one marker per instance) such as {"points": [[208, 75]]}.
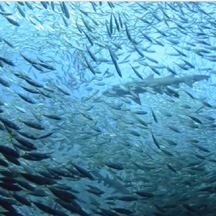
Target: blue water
{"points": [[120, 118]]}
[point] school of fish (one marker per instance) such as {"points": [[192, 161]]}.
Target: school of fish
{"points": [[107, 108]]}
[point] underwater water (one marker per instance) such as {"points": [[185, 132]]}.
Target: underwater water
{"points": [[108, 108]]}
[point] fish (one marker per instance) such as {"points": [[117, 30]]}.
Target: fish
{"points": [[88, 37], [26, 98], [9, 151], [140, 87], [65, 10], [136, 72], [9, 123], [32, 124], [95, 190], [49, 210], [62, 194], [155, 141], [37, 179], [107, 108], [26, 143], [123, 211], [112, 183], [144, 194], [34, 156], [8, 43], [114, 165], [84, 172], [7, 61], [115, 62], [12, 21]]}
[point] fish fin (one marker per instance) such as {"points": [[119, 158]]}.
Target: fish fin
{"points": [[189, 83], [151, 76], [171, 76]]}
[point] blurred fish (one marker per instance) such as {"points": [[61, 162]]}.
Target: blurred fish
{"points": [[141, 86], [67, 149]]}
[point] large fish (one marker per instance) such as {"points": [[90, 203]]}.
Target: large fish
{"points": [[133, 89]]}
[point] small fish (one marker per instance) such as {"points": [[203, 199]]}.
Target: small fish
{"points": [[128, 33], [146, 36], [189, 94], [151, 59], [83, 172], [125, 198], [49, 210], [44, 4], [201, 148], [115, 62], [116, 23], [29, 5], [108, 212], [22, 200], [136, 72], [166, 152], [88, 37], [45, 135], [3, 163], [173, 128], [65, 10], [7, 61], [34, 125], [20, 11], [181, 53], [111, 24], [4, 82], [114, 165], [138, 51], [27, 135], [9, 123], [12, 21], [94, 6], [30, 90], [25, 143], [53, 6], [144, 194], [91, 54], [12, 160], [54, 117], [122, 211], [37, 179], [171, 168], [86, 24], [10, 187], [26, 98], [155, 141], [9, 151], [35, 156], [63, 194], [6, 13], [171, 92], [195, 119], [8, 43], [95, 190], [28, 59], [62, 90], [49, 67], [190, 208], [74, 207], [32, 82], [89, 65], [154, 116], [155, 70]]}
